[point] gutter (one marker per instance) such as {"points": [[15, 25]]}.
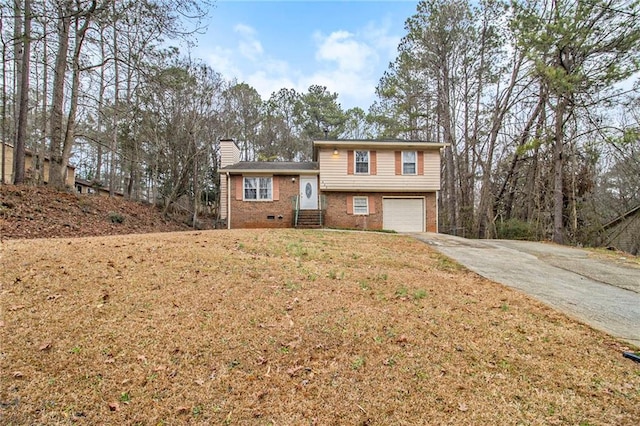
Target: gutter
{"points": [[278, 172]]}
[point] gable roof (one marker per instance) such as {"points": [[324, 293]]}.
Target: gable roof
{"points": [[272, 167]]}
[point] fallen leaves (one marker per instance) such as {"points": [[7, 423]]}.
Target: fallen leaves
{"points": [[45, 346], [284, 353]]}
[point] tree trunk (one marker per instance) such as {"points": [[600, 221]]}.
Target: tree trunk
{"points": [[503, 105], [114, 139], [99, 119], [447, 136], [56, 168], [4, 100], [69, 136], [42, 143], [195, 187], [558, 166], [23, 109]]}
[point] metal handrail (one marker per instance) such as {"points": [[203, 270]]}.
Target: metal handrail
{"points": [[323, 208]]}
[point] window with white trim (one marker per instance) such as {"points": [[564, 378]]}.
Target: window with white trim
{"points": [[409, 162], [362, 162], [258, 188], [361, 205]]}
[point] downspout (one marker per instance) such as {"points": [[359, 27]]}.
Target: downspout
{"points": [[228, 201]]}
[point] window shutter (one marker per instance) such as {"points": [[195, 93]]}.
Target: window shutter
{"points": [[421, 163], [373, 158], [349, 204], [276, 187], [350, 162], [372, 205], [239, 188], [398, 162]]}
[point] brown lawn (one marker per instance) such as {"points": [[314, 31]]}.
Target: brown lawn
{"points": [[288, 327]]}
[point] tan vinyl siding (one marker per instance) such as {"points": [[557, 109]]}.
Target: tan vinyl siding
{"points": [[334, 176], [29, 160], [229, 153]]}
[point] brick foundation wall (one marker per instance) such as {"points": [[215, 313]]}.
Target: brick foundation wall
{"points": [[264, 214], [337, 216], [431, 202]]}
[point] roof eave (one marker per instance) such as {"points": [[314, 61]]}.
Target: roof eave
{"points": [[379, 144], [269, 172]]}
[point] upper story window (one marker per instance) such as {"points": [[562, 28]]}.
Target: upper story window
{"points": [[409, 162], [258, 188], [362, 162]]}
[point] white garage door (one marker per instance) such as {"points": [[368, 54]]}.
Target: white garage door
{"points": [[403, 214]]}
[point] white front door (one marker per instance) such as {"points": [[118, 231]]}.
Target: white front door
{"points": [[308, 192]]}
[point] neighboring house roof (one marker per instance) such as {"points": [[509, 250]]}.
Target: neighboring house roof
{"points": [[274, 167], [96, 187], [622, 217]]}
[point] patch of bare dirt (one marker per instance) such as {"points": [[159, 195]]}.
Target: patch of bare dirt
{"points": [[286, 327], [41, 212]]}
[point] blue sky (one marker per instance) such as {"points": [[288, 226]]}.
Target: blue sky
{"points": [[343, 45]]}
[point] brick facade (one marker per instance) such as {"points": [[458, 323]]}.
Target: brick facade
{"points": [[279, 212], [432, 212], [338, 215], [264, 214]]}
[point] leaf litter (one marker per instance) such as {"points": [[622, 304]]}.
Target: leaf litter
{"points": [[288, 327]]}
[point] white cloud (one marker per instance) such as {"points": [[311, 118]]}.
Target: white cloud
{"points": [[349, 63], [343, 48], [222, 61], [266, 84], [379, 35], [248, 45]]}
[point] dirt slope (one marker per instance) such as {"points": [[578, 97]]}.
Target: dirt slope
{"points": [[41, 212]]}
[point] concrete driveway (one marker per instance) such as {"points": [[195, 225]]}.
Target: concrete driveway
{"points": [[604, 293]]}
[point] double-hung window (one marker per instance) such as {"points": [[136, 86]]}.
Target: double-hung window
{"points": [[362, 162], [258, 188], [409, 162], [361, 205]]}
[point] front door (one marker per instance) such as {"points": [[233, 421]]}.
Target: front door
{"points": [[308, 192]]}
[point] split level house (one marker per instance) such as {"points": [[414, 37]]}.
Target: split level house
{"points": [[354, 184]]}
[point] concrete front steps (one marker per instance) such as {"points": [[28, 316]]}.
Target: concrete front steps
{"points": [[309, 219]]}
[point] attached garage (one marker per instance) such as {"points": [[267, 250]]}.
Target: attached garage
{"points": [[403, 214]]}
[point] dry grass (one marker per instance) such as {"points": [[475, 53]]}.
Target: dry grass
{"points": [[616, 256], [286, 328]]}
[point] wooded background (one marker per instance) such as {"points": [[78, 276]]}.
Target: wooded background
{"points": [[539, 102]]}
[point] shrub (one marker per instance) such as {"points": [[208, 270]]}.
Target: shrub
{"points": [[515, 229], [116, 217]]}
